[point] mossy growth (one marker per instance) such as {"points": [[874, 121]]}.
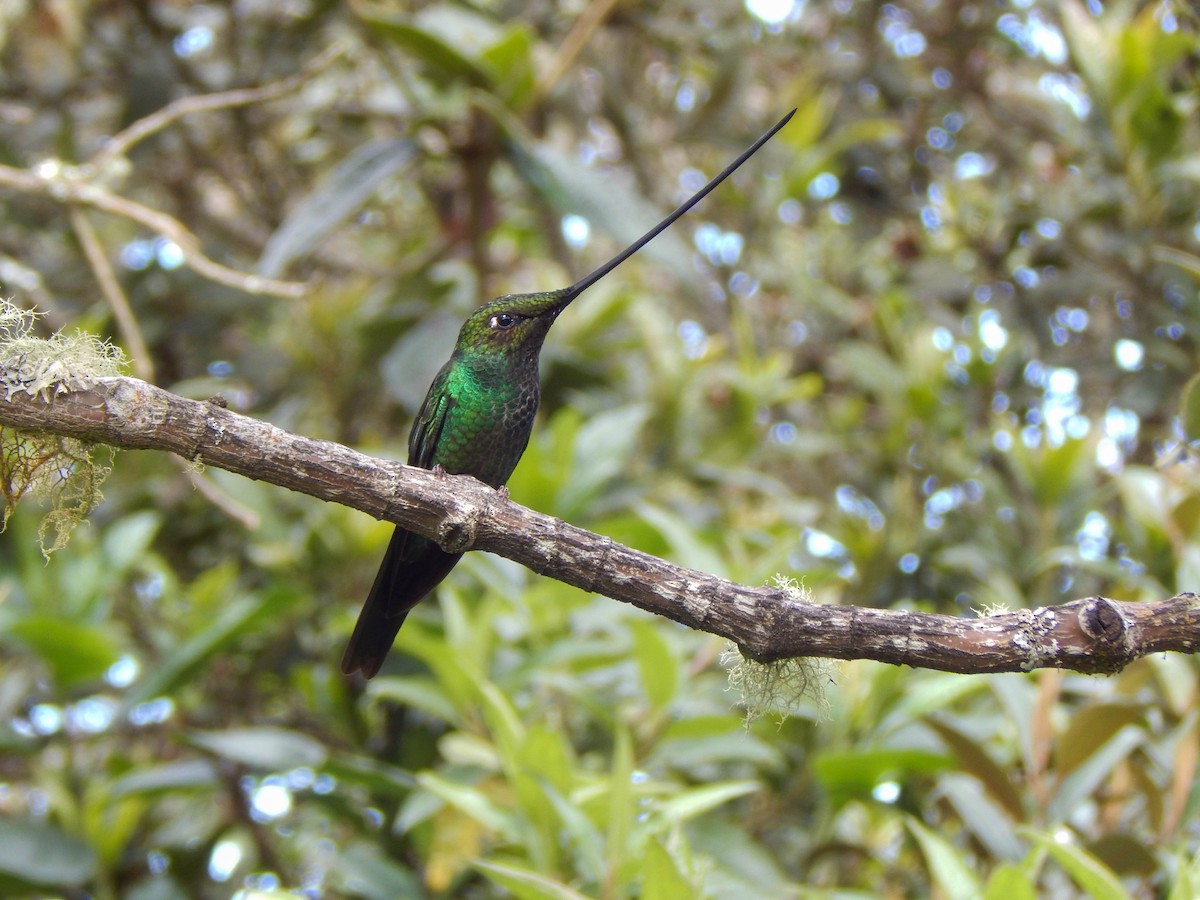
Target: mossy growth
{"points": [[784, 686], [63, 472]]}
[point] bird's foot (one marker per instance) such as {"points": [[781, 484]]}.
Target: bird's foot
{"points": [[502, 491], [438, 471]]}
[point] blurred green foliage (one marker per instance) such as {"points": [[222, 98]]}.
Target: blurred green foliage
{"points": [[933, 349]]}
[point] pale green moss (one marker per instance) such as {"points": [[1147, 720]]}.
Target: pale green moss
{"points": [[61, 471], [784, 686]]}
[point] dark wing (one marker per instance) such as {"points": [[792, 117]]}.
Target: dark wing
{"points": [[431, 418], [422, 448], [413, 566]]}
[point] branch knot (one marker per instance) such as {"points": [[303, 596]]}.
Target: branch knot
{"points": [[457, 531], [1101, 620]]}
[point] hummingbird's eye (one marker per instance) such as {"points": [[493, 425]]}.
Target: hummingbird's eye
{"points": [[502, 321]]}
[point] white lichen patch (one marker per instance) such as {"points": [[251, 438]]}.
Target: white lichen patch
{"points": [[61, 471], [48, 366], [785, 686]]}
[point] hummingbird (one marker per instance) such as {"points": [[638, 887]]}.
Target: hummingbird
{"points": [[476, 420]]}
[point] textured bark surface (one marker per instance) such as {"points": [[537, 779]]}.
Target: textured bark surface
{"points": [[1093, 634]]}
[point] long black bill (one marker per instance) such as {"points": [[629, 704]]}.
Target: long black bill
{"points": [[596, 274]]}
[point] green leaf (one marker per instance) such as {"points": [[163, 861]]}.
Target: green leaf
{"points": [[603, 448], [1187, 572], [869, 367], [1092, 50], [181, 775], [456, 680], [416, 691], [440, 37], [948, 870], [932, 692], [1010, 882], [687, 547], [1088, 775], [656, 663], [75, 652], [813, 113], [378, 777], [362, 869], [620, 798], [686, 805], [339, 196], [855, 773], [1144, 494], [585, 840], [1090, 729], [511, 60], [38, 853], [541, 827], [1186, 885], [661, 878], [183, 662], [973, 758], [1052, 472], [547, 753], [467, 750], [1096, 880], [127, 540], [262, 747], [992, 825], [744, 859], [734, 747], [473, 803], [504, 723], [1019, 697], [526, 884], [541, 478], [1189, 408]]}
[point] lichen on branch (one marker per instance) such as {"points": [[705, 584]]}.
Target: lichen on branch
{"points": [[782, 686], [61, 471]]}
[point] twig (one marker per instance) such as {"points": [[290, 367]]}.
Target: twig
{"points": [[68, 184], [80, 186], [1189, 262], [143, 362], [578, 37], [121, 143], [1094, 634], [239, 512], [110, 287]]}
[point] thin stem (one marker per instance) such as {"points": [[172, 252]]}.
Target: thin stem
{"points": [[143, 364], [131, 332], [121, 143], [66, 185], [578, 38]]}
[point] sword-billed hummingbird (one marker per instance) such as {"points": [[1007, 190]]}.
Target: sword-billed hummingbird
{"points": [[476, 420]]}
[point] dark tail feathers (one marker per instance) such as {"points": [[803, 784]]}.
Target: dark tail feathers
{"points": [[412, 567]]}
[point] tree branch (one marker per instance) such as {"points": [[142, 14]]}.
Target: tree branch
{"points": [[1094, 634], [72, 185], [120, 144], [85, 185]]}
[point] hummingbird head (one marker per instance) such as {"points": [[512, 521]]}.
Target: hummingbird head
{"points": [[513, 322]]}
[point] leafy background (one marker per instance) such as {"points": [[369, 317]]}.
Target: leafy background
{"points": [[932, 349]]}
